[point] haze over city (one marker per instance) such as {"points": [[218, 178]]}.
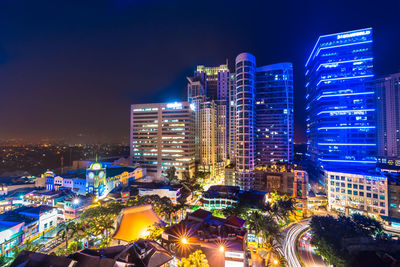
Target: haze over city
{"points": [[69, 71]]}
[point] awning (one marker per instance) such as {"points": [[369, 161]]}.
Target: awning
{"points": [[135, 223]]}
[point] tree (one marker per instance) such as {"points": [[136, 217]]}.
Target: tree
{"points": [[102, 226], [3, 260], [155, 232], [28, 245], [171, 174], [238, 210], [196, 259], [280, 206], [64, 231], [271, 236], [193, 183], [328, 234], [266, 229]]}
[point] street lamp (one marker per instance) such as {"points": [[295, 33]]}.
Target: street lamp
{"points": [[76, 201], [184, 240], [276, 262], [221, 248]]}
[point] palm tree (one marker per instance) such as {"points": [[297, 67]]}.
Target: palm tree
{"points": [[29, 245], [65, 228], [102, 225], [254, 221], [3, 260], [271, 236], [171, 174]]}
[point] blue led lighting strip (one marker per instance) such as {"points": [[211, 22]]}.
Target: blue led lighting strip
{"points": [[346, 127], [348, 161], [344, 61], [336, 46], [345, 111], [333, 34], [345, 78], [344, 144], [346, 94]]}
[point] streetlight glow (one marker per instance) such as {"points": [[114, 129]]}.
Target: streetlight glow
{"points": [[76, 201], [276, 262], [184, 240], [221, 248]]}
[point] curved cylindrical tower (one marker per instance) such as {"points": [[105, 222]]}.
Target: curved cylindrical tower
{"points": [[245, 116]]}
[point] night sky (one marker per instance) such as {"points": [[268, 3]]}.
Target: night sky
{"points": [[72, 68]]}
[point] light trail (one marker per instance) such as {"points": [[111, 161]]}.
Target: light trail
{"points": [[290, 243]]}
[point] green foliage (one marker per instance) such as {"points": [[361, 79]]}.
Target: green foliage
{"points": [[194, 182], [281, 206], [170, 174], [196, 259], [218, 213], [65, 230], [110, 209], [155, 232], [4, 260], [329, 232], [238, 210]]}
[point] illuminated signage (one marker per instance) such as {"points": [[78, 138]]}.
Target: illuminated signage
{"points": [[236, 255], [174, 105], [353, 34]]}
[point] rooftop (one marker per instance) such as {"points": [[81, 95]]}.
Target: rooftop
{"points": [[36, 259], [205, 230], [34, 210], [134, 222], [142, 253]]}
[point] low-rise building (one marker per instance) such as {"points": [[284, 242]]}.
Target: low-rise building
{"points": [[45, 197], [19, 225], [96, 179], [357, 191], [220, 197], [230, 177], [283, 178], [73, 206], [224, 196], [222, 240]]}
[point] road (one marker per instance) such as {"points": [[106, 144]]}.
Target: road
{"points": [[290, 244], [307, 252], [291, 234]]}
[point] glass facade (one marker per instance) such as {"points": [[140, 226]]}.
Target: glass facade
{"points": [[245, 117], [341, 126], [274, 109]]}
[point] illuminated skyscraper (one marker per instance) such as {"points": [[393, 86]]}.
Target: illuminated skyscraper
{"points": [[245, 119], [162, 136], [274, 113], [341, 109], [388, 117], [232, 119], [208, 92]]}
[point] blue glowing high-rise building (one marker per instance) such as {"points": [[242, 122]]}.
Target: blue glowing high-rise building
{"points": [[274, 113], [341, 108]]}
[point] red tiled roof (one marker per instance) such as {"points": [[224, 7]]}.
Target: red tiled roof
{"points": [[200, 213], [235, 221]]}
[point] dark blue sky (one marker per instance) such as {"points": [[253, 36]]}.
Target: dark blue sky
{"points": [[74, 67]]}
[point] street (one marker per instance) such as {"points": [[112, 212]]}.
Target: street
{"points": [[307, 253], [308, 256]]}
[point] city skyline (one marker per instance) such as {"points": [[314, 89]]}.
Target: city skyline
{"points": [[68, 71]]}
